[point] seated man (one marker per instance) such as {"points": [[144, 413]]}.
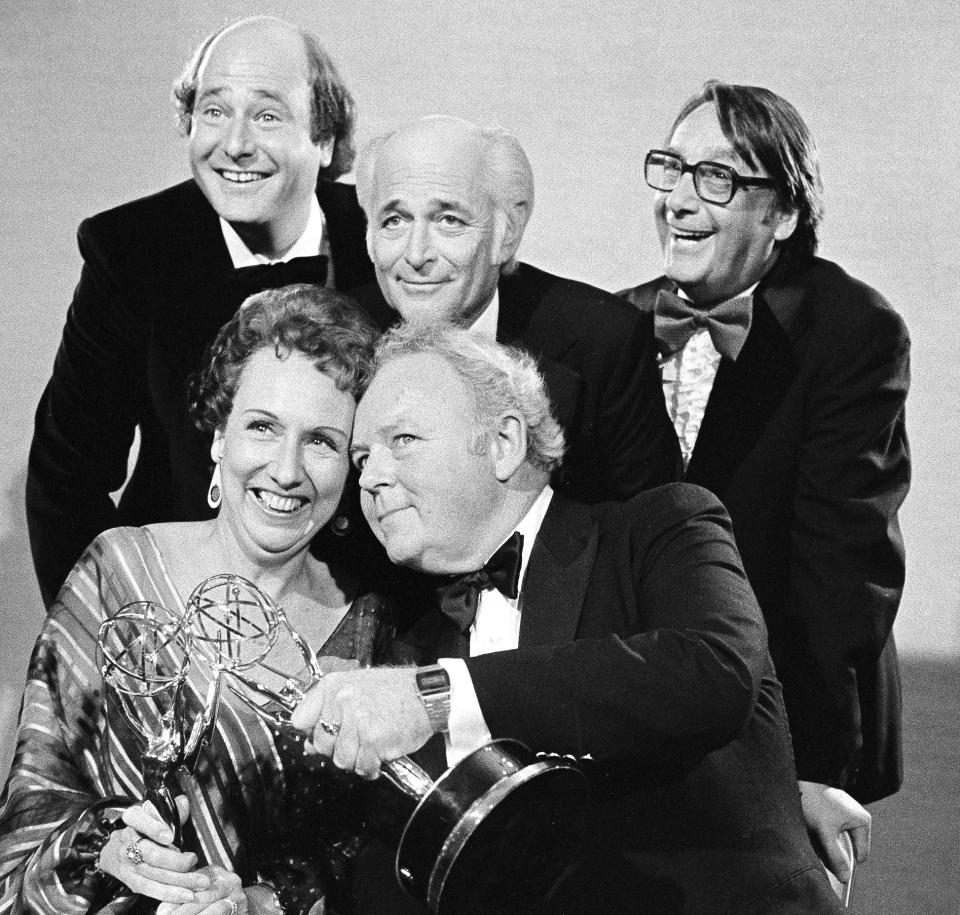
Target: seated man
{"points": [[269, 128], [786, 380], [447, 203], [631, 636]]}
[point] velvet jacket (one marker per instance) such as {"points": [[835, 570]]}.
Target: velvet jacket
{"points": [[804, 441], [642, 645]]}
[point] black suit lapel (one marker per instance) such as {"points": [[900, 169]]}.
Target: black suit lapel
{"points": [[523, 322], [195, 292], [556, 582], [346, 229], [745, 395]]}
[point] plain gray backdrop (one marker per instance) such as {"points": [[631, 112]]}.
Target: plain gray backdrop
{"points": [[588, 88]]}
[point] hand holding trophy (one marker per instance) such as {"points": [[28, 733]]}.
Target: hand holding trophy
{"points": [[491, 834], [144, 655]]}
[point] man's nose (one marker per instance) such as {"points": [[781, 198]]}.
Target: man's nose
{"points": [[683, 197], [238, 139], [377, 469], [419, 250]]}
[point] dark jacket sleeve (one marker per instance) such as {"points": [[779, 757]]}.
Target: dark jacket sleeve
{"points": [[639, 446], [679, 672], [847, 559], [85, 422]]}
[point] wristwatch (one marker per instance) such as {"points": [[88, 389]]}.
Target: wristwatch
{"points": [[433, 685]]}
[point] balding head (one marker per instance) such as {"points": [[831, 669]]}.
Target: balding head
{"points": [[332, 113], [447, 203]]}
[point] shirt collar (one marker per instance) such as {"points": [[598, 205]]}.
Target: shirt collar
{"points": [[485, 326], [309, 244], [748, 291], [529, 527]]}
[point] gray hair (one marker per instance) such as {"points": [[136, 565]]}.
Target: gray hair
{"points": [[506, 171], [499, 378]]}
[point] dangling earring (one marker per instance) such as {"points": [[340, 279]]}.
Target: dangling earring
{"points": [[340, 525], [214, 494]]}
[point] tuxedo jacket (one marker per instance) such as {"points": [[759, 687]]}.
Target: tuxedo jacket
{"points": [[803, 439], [601, 372], [642, 645], [153, 293]]}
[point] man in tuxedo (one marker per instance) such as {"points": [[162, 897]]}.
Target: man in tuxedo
{"points": [[626, 632], [269, 128], [447, 203], [786, 379]]}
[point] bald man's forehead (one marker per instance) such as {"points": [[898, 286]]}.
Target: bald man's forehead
{"points": [[434, 147], [270, 44]]}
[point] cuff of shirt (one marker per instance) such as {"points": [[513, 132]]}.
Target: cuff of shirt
{"points": [[468, 730]]}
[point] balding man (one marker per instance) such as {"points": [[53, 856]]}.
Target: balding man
{"points": [[269, 127], [447, 203]]}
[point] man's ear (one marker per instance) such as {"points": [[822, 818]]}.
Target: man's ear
{"points": [[508, 232], [325, 149], [785, 222], [508, 446], [216, 449]]}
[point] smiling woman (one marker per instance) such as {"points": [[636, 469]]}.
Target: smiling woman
{"points": [[278, 394]]}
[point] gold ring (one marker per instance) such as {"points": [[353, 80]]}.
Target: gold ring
{"points": [[133, 852], [328, 728], [234, 908]]}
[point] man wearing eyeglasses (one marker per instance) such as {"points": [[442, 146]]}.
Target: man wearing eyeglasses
{"points": [[786, 379]]}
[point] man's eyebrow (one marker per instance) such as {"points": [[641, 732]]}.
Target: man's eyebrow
{"points": [[378, 431], [217, 91], [393, 203], [210, 91], [435, 204], [270, 95], [709, 154]]}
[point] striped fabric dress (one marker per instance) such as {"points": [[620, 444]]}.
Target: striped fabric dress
{"points": [[77, 763]]}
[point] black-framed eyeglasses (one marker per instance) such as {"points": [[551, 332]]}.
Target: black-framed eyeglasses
{"points": [[714, 182]]}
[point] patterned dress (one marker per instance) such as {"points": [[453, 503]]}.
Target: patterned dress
{"points": [[258, 804]]}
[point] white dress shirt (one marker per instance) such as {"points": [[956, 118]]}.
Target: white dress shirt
{"points": [[312, 241], [687, 377], [495, 628], [485, 326]]}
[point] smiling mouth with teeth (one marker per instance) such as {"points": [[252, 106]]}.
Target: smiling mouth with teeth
{"points": [[277, 503], [241, 177]]}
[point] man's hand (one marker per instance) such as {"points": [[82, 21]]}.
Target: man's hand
{"points": [[828, 813], [225, 896], [375, 713]]}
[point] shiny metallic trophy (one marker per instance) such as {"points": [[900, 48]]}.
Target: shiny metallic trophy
{"points": [[491, 834], [144, 654]]}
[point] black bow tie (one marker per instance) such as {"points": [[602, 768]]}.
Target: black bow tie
{"points": [[459, 595], [676, 320], [283, 273]]}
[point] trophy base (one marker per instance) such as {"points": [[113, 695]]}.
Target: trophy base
{"points": [[494, 832]]}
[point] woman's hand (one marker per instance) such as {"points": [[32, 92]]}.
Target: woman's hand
{"points": [[225, 896], [141, 857]]}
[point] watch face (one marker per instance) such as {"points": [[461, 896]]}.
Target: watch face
{"points": [[433, 680]]}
